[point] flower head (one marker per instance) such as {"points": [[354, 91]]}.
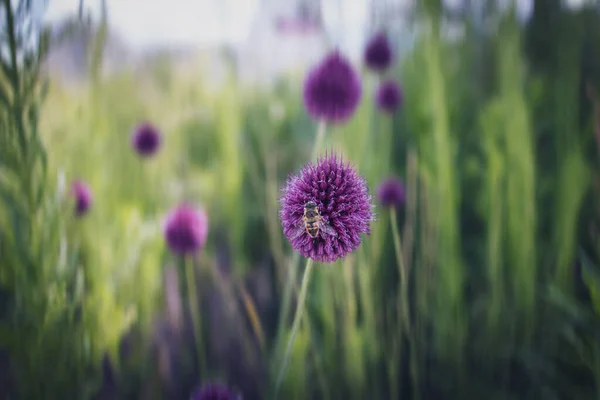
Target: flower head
{"points": [[215, 391], [389, 96], [332, 89], [390, 192], [186, 229], [83, 197], [145, 139], [342, 199], [378, 53]]}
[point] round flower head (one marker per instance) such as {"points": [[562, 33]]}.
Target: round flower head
{"points": [[391, 193], [340, 196], [332, 89], [378, 53], [186, 229], [146, 139], [83, 197], [389, 96], [215, 391]]}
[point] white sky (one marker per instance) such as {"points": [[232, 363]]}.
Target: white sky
{"points": [[148, 22], [145, 22]]}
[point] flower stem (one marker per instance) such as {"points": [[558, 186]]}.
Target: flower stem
{"points": [[404, 305], [295, 324], [193, 304], [321, 129]]}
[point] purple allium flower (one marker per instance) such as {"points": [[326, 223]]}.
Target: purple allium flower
{"points": [[215, 391], [332, 89], [378, 53], [389, 96], [186, 229], [343, 200], [83, 197], [390, 192], [145, 139]]}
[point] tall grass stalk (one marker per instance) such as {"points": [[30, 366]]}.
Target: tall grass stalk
{"points": [[450, 332], [295, 324], [192, 297], [520, 179], [404, 304]]}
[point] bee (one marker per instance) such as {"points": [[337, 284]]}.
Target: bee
{"points": [[312, 223]]}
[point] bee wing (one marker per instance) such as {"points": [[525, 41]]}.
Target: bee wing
{"points": [[326, 228], [299, 229]]}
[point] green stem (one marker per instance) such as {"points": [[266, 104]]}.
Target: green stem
{"points": [[193, 304], [290, 283], [295, 324], [321, 129], [404, 305]]}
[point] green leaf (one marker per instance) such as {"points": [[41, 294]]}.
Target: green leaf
{"points": [[591, 277]]}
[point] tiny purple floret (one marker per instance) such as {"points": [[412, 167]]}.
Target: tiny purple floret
{"points": [[389, 96], [83, 197], [378, 53], [332, 90], [391, 193], [215, 391], [343, 200], [186, 229], [146, 139]]}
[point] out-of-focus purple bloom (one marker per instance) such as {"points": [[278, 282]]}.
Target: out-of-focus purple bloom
{"points": [[215, 391], [186, 229], [146, 139], [378, 53], [391, 193], [83, 197], [389, 96], [343, 200], [332, 89]]}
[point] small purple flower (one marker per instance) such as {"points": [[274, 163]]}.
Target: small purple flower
{"points": [[391, 192], [186, 229], [145, 139], [83, 197], [378, 53], [389, 96], [332, 89], [215, 391], [343, 201]]}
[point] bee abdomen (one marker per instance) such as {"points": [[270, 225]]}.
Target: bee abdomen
{"points": [[313, 230]]}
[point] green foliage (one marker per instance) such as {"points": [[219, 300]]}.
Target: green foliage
{"points": [[497, 234]]}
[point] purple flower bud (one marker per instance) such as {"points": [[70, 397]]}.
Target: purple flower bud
{"points": [[83, 197], [391, 192], [215, 391], [146, 139], [332, 90], [342, 199], [389, 96], [186, 229], [378, 53]]}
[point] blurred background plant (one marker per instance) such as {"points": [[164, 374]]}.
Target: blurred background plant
{"points": [[496, 137]]}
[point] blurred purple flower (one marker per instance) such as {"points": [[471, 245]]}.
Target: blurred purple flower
{"points": [[391, 193], [332, 89], [343, 200], [186, 229], [378, 53], [146, 139], [83, 197], [215, 391], [389, 96]]}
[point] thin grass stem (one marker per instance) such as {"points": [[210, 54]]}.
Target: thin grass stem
{"points": [[295, 324], [194, 312], [403, 305]]}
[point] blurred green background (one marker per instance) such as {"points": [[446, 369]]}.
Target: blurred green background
{"points": [[497, 142]]}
